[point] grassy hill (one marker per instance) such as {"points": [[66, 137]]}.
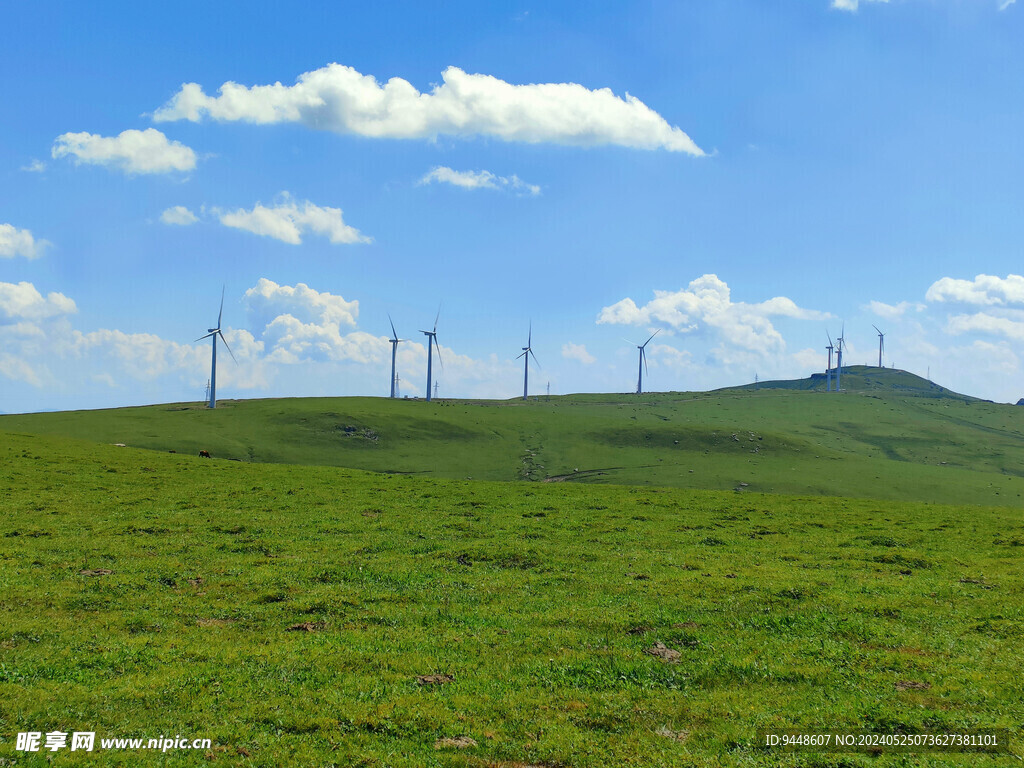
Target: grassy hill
{"points": [[860, 379], [291, 613], [895, 437]]}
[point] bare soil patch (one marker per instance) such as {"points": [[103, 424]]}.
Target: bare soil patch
{"points": [[434, 679], [459, 742], [307, 626], [661, 651]]}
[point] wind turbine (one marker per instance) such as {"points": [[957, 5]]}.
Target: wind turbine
{"points": [[642, 364], [214, 333], [839, 360], [527, 351], [828, 371], [431, 343], [395, 341], [881, 344]]}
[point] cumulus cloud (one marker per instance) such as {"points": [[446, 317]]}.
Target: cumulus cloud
{"points": [[297, 323], [21, 301], [478, 180], [1006, 4], [893, 311], [707, 302], [131, 151], [179, 215], [985, 290], [577, 352], [288, 220], [36, 166], [983, 322], [16, 369], [340, 99], [267, 300], [852, 5], [20, 242]]}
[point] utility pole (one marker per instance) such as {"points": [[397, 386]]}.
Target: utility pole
{"points": [[435, 389]]}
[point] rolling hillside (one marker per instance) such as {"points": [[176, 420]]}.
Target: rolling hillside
{"points": [[890, 435], [860, 379]]}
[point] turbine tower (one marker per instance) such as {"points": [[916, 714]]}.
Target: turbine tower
{"points": [[828, 371], [431, 343], [214, 333], [527, 351], [839, 359], [642, 364], [881, 344], [395, 341]]}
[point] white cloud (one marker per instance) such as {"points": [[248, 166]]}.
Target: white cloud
{"points": [[298, 323], [667, 355], [131, 151], [706, 303], [287, 222], [983, 322], [36, 166], [20, 242], [338, 98], [852, 5], [16, 369], [985, 290], [178, 215], [478, 180], [21, 301], [893, 311], [577, 352], [267, 300]]}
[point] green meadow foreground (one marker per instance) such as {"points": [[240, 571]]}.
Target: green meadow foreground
{"points": [[287, 612]]}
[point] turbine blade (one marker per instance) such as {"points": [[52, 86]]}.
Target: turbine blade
{"points": [[631, 343], [394, 333], [829, 337], [529, 339], [651, 337], [437, 318], [522, 355], [203, 337], [534, 358], [876, 328], [643, 356], [221, 312], [438, 348], [226, 345]]}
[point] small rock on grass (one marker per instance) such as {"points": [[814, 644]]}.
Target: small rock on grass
{"points": [[661, 651], [95, 572], [307, 626], [434, 679], [668, 733], [459, 742]]}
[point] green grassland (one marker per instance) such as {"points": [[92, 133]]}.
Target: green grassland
{"points": [[151, 594], [890, 435]]}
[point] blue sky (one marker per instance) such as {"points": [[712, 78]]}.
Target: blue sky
{"points": [[744, 176]]}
